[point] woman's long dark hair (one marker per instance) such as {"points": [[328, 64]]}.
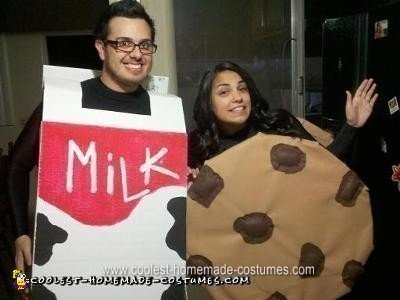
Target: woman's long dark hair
{"points": [[204, 142]]}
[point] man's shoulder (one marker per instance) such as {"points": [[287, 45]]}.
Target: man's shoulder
{"points": [[91, 82]]}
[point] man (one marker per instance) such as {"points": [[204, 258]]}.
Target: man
{"points": [[125, 43]]}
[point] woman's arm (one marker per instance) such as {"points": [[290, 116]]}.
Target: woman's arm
{"points": [[358, 109]]}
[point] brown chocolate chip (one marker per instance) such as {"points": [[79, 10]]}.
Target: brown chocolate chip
{"points": [[206, 186], [199, 265], [288, 159], [349, 189], [255, 228], [311, 256], [276, 296], [352, 269]]}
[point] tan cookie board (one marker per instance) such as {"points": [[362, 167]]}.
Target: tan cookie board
{"points": [[305, 207]]}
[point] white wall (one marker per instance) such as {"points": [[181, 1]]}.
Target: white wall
{"points": [[165, 58]]}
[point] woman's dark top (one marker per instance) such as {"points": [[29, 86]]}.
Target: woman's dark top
{"points": [[340, 147]]}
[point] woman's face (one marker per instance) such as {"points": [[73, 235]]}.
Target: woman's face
{"points": [[230, 100]]}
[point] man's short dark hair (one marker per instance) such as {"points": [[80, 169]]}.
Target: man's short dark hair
{"points": [[124, 8]]}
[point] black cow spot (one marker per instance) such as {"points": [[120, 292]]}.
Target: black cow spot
{"points": [[47, 235], [174, 292], [39, 291], [176, 236]]}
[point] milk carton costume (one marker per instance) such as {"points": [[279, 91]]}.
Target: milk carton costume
{"points": [[111, 194]]}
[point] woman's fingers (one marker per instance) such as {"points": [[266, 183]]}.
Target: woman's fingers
{"points": [[373, 100], [367, 86], [360, 89], [371, 91]]}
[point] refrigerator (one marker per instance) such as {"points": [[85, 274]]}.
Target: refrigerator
{"points": [[355, 47], [344, 63], [362, 46], [384, 67]]}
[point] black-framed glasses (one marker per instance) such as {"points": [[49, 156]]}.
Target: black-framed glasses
{"points": [[145, 47]]}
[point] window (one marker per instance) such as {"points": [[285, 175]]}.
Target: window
{"points": [[254, 34], [75, 50]]}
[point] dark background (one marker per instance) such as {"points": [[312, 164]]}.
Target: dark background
{"points": [[49, 15]]}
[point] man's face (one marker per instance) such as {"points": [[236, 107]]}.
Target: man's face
{"points": [[123, 72]]}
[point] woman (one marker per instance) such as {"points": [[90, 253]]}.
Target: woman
{"points": [[229, 109]]}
